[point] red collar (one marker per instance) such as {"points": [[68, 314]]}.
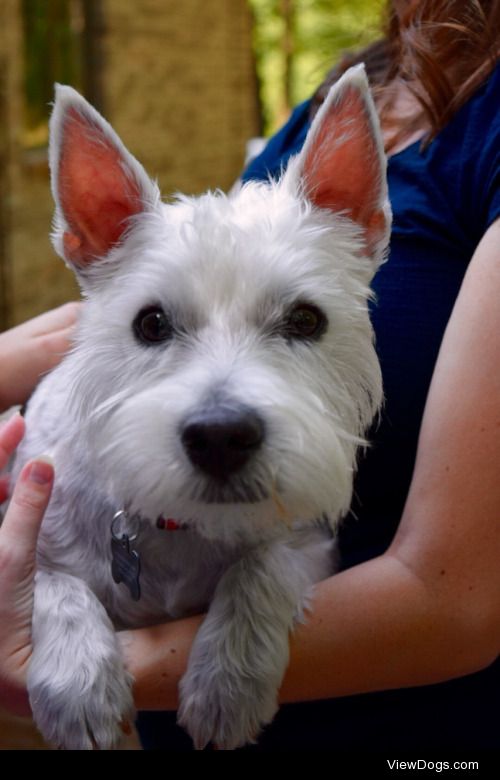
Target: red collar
{"points": [[169, 524]]}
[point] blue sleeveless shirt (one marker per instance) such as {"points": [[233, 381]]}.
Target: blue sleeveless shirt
{"points": [[443, 200]]}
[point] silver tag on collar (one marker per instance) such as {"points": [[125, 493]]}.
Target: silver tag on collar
{"points": [[125, 560]]}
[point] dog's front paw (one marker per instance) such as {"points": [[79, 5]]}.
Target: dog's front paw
{"points": [[84, 709], [222, 704]]}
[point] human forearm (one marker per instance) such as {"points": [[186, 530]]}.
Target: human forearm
{"points": [[377, 627], [157, 658], [373, 627]]}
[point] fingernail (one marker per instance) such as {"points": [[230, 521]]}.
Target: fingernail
{"points": [[41, 471]]}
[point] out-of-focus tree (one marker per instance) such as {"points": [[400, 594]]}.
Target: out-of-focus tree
{"points": [[297, 41], [177, 81], [50, 53]]}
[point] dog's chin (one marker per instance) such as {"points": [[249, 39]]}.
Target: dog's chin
{"points": [[223, 493], [191, 504]]}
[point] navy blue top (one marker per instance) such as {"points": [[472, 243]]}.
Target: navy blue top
{"points": [[443, 200]]}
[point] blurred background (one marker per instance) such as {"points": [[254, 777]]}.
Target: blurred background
{"points": [[186, 84]]}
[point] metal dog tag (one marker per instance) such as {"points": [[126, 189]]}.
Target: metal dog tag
{"points": [[125, 561]]}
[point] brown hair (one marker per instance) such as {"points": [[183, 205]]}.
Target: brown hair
{"points": [[441, 50]]}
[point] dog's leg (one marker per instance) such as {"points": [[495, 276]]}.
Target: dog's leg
{"points": [[79, 690], [241, 652]]}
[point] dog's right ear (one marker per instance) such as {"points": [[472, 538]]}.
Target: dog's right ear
{"points": [[98, 186]]}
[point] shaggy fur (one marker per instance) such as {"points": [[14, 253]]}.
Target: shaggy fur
{"points": [[227, 271]]}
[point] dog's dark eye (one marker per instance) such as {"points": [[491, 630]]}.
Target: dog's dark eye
{"points": [[152, 326], [306, 321]]}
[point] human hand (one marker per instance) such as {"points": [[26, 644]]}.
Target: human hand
{"points": [[30, 350], [18, 536]]}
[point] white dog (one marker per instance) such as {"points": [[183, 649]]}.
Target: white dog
{"points": [[222, 380]]}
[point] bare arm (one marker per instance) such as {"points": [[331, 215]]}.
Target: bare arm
{"points": [[30, 350], [427, 610]]}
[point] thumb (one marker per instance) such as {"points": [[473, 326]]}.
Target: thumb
{"points": [[27, 506]]}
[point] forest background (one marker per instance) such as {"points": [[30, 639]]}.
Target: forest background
{"points": [[186, 85]]}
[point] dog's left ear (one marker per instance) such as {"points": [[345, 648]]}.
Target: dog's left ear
{"points": [[98, 186], [342, 166]]}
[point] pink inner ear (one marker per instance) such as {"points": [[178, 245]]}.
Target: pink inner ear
{"points": [[97, 196], [342, 167]]}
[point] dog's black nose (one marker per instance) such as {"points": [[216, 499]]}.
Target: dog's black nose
{"points": [[221, 441]]}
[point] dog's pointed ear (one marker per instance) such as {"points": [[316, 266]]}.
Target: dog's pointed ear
{"points": [[342, 166], [96, 183]]}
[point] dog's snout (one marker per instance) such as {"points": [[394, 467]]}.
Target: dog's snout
{"points": [[221, 441]]}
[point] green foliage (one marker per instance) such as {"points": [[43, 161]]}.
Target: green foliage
{"points": [[297, 41], [50, 53]]}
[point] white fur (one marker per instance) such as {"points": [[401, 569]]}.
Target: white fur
{"points": [[226, 269]]}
